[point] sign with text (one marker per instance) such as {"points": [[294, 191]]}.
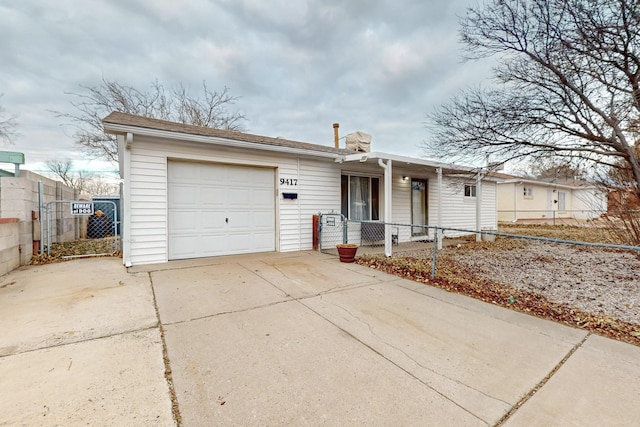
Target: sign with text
{"points": [[81, 208]]}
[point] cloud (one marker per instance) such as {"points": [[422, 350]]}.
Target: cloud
{"points": [[297, 67]]}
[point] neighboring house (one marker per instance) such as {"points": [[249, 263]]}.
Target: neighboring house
{"points": [[621, 200], [192, 191], [526, 198]]}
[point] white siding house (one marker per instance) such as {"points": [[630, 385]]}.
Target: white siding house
{"points": [[194, 192], [530, 199]]}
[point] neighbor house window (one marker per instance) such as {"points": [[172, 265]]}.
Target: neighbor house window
{"points": [[360, 197], [562, 201], [469, 190], [528, 192]]}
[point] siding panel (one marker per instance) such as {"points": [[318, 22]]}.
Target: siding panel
{"points": [[318, 188]]}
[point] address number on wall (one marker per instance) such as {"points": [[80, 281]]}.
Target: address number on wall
{"points": [[288, 181]]}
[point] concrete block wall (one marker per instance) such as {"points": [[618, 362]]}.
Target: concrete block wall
{"points": [[19, 198], [9, 245]]}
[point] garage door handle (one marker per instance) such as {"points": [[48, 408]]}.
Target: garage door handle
{"points": [[226, 220]]}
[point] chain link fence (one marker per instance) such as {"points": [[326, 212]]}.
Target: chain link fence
{"points": [[551, 216], [80, 229], [421, 241]]}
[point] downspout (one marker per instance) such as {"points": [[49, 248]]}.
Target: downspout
{"points": [[479, 206], [40, 213], [515, 202], [388, 182], [126, 196], [439, 231]]}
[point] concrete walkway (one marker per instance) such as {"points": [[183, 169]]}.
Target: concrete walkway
{"points": [[291, 339]]}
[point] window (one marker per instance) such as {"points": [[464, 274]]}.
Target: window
{"points": [[528, 192], [562, 201], [360, 197], [469, 190]]}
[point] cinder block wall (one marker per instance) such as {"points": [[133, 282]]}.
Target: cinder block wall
{"points": [[9, 245], [19, 198]]}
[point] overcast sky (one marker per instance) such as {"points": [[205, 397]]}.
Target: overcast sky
{"points": [[297, 66]]}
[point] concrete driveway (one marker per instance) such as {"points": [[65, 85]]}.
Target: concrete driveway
{"points": [[291, 339]]}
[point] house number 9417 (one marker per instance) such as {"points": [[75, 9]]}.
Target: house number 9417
{"points": [[288, 181]]}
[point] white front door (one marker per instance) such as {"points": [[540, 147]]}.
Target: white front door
{"points": [[220, 209]]}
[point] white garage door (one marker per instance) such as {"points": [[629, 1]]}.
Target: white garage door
{"points": [[217, 209]]}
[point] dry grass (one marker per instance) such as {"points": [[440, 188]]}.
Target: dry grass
{"points": [[589, 232]]}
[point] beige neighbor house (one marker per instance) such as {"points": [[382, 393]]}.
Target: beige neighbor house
{"points": [[531, 199], [192, 191]]}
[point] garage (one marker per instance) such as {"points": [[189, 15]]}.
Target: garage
{"points": [[219, 209]]}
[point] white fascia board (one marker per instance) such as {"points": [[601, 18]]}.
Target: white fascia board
{"points": [[545, 184], [402, 160], [213, 140]]}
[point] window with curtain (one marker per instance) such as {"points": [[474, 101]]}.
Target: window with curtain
{"points": [[360, 197], [469, 190]]}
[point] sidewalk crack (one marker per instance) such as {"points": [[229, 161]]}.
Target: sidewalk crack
{"points": [[168, 373], [379, 353], [542, 383]]}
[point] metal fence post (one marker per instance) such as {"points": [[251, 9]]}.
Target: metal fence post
{"points": [[40, 212], [435, 251], [320, 232], [345, 231]]}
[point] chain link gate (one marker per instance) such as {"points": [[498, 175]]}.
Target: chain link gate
{"points": [[333, 229], [80, 229]]}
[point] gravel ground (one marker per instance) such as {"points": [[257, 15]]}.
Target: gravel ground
{"points": [[598, 281]]}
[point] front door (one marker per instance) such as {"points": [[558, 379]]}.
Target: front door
{"points": [[419, 212]]}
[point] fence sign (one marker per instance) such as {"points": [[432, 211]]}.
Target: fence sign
{"points": [[81, 208]]}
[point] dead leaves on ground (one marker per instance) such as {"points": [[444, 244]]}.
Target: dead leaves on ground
{"points": [[61, 252]]}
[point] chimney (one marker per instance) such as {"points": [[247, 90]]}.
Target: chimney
{"points": [[335, 134]]}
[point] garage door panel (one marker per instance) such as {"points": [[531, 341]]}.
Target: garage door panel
{"points": [[210, 173], [213, 244], [262, 197], [182, 246], [212, 193], [183, 195], [183, 172], [213, 221], [263, 221], [213, 197], [239, 197], [184, 221], [241, 243], [263, 241]]}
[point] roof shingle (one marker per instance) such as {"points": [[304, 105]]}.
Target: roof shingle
{"points": [[125, 119]]}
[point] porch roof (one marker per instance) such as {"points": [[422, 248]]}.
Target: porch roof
{"points": [[404, 161]]}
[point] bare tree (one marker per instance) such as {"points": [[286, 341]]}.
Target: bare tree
{"points": [[100, 187], [554, 169], [8, 125], [64, 171], [567, 86], [209, 109]]}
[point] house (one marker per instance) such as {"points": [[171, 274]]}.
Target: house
{"points": [[192, 191], [531, 199]]}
